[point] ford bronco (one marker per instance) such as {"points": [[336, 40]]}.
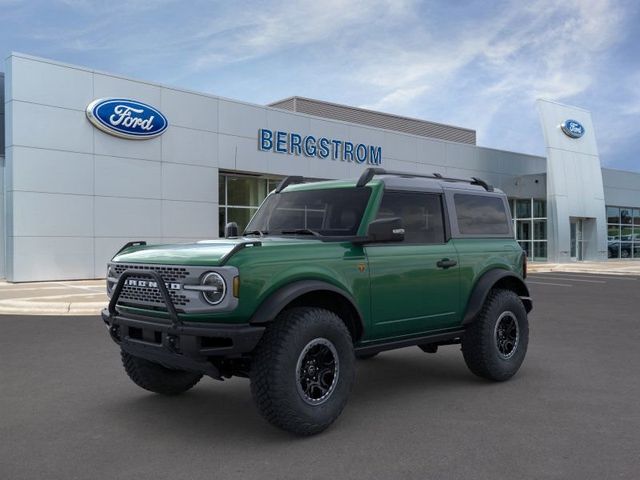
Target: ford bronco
{"points": [[326, 273]]}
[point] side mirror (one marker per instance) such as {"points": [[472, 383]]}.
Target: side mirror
{"points": [[385, 230], [231, 230]]}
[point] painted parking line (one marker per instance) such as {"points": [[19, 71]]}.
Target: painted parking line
{"points": [[548, 283], [585, 275], [54, 297], [100, 287], [28, 289], [568, 279]]}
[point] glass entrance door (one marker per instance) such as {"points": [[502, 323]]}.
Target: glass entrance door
{"points": [[577, 239]]}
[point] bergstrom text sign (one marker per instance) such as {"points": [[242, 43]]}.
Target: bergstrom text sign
{"points": [[320, 147]]}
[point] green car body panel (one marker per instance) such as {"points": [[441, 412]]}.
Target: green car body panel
{"points": [[397, 288], [324, 274]]}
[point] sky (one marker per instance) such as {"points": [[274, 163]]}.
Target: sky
{"points": [[475, 64]]}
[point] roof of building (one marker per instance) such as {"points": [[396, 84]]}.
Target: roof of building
{"points": [[372, 118]]}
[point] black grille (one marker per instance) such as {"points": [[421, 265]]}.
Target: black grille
{"points": [[169, 274], [151, 296]]}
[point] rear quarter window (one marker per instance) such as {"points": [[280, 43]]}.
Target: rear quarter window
{"points": [[481, 215]]}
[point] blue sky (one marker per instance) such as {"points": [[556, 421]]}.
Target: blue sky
{"points": [[477, 64]]}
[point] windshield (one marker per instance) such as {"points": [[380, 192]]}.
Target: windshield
{"points": [[327, 212]]}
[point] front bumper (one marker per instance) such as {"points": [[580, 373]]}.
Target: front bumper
{"points": [[172, 342], [188, 346]]}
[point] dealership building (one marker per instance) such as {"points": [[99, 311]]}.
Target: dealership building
{"points": [[92, 160]]}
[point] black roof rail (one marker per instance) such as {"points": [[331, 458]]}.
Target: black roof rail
{"points": [[290, 180], [369, 173], [482, 183]]}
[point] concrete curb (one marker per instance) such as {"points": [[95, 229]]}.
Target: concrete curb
{"points": [[577, 269], [26, 307]]}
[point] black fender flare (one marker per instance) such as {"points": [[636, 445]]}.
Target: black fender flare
{"points": [[278, 300], [487, 281]]}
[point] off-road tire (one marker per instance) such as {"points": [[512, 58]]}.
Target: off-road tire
{"points": [[274, 370], [480, 346], [156, 378]]}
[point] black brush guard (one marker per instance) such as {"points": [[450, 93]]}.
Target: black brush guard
{"points": [[172, 342]]}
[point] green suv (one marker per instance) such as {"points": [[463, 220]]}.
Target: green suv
{"points": [[326, 273]]}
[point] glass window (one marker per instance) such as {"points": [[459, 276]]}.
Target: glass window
{"points": [[329, 212], [421, 215], [481, 215], [246, 191], [539, 208], [539, 250], [222, 220], [239, 195], [241, 216], [636, 250], [613, 232], [222, 190], [625, 216], [636, 216], [613, 215], [523, 229], [539, 229], [523, 208], [625, 249], [530, 226], [272, 185]]}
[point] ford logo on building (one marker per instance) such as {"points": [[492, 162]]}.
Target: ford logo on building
{"points": [[572, 128], [126, 118]]}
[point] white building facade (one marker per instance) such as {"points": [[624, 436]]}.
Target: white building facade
{"points": [[73, 193]]}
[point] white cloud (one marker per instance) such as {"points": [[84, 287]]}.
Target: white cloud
{"points": [[479, 66], [252, 33]]}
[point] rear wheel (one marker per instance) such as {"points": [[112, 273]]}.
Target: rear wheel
{"points": [[156, 378], [495, 344], [303, 370]]}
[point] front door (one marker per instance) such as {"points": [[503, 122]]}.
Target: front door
{"points": [[414, 283]]}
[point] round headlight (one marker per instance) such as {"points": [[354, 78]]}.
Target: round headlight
{"points": [[216, 288]]}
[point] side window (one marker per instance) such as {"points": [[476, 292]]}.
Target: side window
{"points": [[481, 215], [421, 215]]}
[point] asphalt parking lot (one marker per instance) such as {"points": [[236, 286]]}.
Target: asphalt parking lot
{"points": [[68, 411]]}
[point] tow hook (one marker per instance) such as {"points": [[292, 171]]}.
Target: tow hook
{"points": [[172, 343], [114, 331]]}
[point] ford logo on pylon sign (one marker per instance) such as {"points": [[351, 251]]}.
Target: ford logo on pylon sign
{"points": [[126, 118], [572, 128]]}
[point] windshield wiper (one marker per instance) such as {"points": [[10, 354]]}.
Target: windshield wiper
{"points": [[302, 231], [255, 232]]}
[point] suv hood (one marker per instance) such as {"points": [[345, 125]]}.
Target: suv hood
{"points": [[205, 253]]}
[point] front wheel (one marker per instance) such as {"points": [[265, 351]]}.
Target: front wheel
{"points": [[495, 344], [156, 378], [303, 370]]}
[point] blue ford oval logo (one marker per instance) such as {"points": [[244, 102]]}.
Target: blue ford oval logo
{"points": [[572, 128], [126, 118]]}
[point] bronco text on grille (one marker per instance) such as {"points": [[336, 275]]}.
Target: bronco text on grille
{"points": [[145, 291]]}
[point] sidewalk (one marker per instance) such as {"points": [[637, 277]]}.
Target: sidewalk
{"points": [[82, 297], [610, 267]]}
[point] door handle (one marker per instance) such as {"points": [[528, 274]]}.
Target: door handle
{"points": [[446, 263]]}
